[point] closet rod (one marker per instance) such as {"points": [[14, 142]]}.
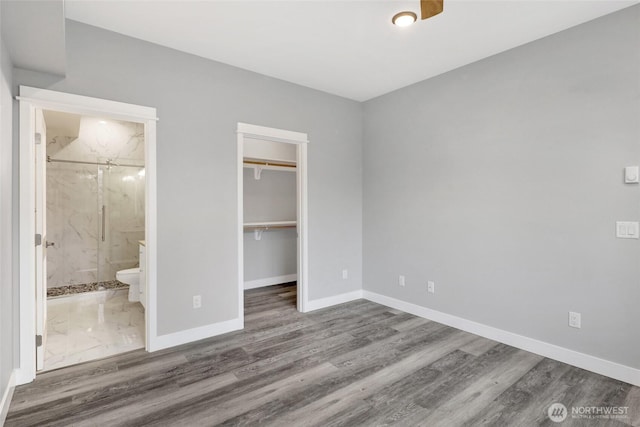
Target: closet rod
{"points": [[257, 163], [258, 228]]}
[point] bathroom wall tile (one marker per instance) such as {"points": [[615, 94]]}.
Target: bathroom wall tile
{"points": [[99, 139], [76, 193]]}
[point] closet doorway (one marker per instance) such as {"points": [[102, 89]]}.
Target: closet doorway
{"points": [[272, 210]]}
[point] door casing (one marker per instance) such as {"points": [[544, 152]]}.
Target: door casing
{"points": [[32, 99], [41, 229], [301, 141]]}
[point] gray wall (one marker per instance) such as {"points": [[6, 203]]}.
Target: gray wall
{"points": [[7, 346], [274, 255], [502, 181], [270, 198], [199, 103]]}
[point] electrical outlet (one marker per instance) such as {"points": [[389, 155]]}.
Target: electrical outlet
{"points": [[197, 301], [401, 280], [575, 319], [345, 274], [431, 287]]}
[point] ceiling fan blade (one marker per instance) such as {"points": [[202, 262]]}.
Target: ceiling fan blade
{"points": [[429, 8]]}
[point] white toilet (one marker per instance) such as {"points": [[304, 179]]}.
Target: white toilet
{"points": [[131, 277]]}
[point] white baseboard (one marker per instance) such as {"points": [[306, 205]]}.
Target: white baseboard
{"points": [[195, 334], [317, 304], [590, 363], [6, 397], [259, 283]]}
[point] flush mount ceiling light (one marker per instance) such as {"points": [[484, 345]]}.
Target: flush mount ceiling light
{"points": [[428, 8], [404, 19]]}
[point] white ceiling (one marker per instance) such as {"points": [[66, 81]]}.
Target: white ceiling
{"points": [[348, 48]]}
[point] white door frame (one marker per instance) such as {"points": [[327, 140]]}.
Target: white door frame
{"points": [[300, 140], [40, 156], [31, 99]]}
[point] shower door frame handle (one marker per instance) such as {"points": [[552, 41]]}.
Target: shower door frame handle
{"points": [[104, 209]]}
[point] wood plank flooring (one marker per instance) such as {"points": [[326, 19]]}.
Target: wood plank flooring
{"points": [[356, 364]]}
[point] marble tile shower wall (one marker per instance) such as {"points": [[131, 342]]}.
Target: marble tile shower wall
{"points": [[76, 193], [122, 190]]}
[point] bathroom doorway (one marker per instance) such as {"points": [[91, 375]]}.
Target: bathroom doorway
{"points": [[272, 216], [120, 218], [95, 229]]}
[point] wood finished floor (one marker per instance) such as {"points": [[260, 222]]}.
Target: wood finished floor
{"points": [[356, 364]]}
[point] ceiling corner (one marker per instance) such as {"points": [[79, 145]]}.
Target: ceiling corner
{"points": [[34, 33]]}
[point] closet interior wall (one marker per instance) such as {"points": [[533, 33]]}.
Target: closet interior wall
{"points": [[270, 237]]}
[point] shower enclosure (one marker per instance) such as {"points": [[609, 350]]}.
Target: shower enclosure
{"points": [[121, 203], [95, 218]]}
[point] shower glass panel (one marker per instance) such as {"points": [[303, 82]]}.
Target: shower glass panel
{"points": [[121, 205], [71, 224]]}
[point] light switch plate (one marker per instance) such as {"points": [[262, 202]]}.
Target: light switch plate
{"points": [[632, 174], [627, 229]]}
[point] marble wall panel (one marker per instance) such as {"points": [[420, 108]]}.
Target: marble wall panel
{"points": [[76, 193]]}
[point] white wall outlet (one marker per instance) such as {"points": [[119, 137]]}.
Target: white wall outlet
{"points": [[431, 287], [401, 280], [197, 301], [575, 319], [632, 174], [627, 230], [345, 274]]}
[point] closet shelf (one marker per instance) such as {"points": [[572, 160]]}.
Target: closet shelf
{"points": [[259, 165], [269, 224]]}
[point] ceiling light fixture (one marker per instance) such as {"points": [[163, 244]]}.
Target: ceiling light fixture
{"points": [[404, 19]]}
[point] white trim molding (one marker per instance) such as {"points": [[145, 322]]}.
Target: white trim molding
{"points": [[195, 334], [240, 225], [269, 281], [27, 326], [6, 397], [263, 133], [70, 103], [302, 212], [317, 304], [150, 234], [272, 134], [34, 98], [590, 363]]}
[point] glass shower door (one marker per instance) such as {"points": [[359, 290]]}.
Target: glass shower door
{"points": [[121, 205]]}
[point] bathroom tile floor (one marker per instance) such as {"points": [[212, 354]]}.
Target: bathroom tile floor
{"points": [[90, 326]]}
